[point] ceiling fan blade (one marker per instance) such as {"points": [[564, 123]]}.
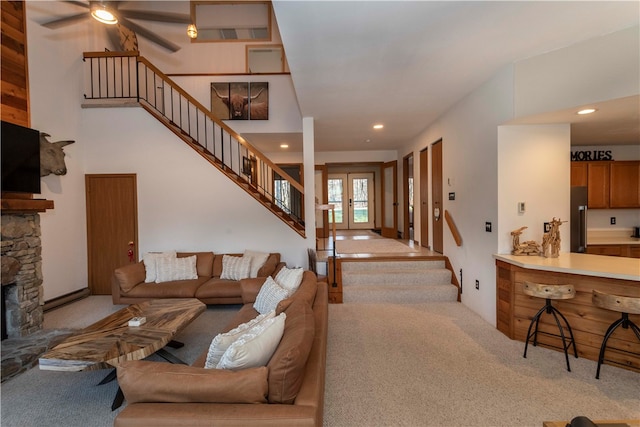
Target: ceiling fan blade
{"points": [[150, 35], [114, 36], [78, 3], [57, 23], [176, 18]]}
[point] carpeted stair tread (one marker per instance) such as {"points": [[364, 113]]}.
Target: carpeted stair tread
{"points": [[392, 265], [400, 294], [405, 277]]}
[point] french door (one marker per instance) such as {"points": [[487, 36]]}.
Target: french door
{"points": [[352, 195]]}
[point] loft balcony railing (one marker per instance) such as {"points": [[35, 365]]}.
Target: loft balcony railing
{"points": [[118, 77]]}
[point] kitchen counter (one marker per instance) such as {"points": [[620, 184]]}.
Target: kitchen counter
{"points": [[612, 275], [585, 264], [611, 237]]}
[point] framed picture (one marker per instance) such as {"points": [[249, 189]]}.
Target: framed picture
{"points": [[259, 101], [240, 101]]}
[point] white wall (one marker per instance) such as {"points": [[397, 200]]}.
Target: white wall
{"points": [[469, 133], [533, 167]]}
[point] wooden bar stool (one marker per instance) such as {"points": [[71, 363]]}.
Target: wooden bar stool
{"points": [[624, 305], [550, 292]]}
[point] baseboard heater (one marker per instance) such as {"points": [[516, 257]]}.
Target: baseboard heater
{"points": [[66, 299]]}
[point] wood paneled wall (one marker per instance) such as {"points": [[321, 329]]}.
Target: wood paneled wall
{"points": [[14, 73]]}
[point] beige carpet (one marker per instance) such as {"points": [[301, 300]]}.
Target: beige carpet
{"points": [[428, 364], [371, 246]]}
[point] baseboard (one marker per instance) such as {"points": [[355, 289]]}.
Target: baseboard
{"points": [[66, 299]]}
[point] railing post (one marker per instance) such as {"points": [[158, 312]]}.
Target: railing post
{"points": [[137, 79]]}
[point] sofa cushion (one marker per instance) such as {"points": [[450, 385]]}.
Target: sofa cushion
{"points": [[255, 347], [287, 365], [204, 262], [145, 381], [221, 342], [289, 278], [130, 275], [219, 288], [235, 268], [175, 289], [257, 261], [149, 260], [269, 296], [306, 292], [170, 269]]}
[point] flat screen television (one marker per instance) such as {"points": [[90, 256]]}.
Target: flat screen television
{"points": [[20, 159]]}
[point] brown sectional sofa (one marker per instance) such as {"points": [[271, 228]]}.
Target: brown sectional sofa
{"points": [[128, 285], [288, 392]]}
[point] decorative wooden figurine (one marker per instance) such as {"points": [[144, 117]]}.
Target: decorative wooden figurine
{"points": [[551, 239], [529, 247]]}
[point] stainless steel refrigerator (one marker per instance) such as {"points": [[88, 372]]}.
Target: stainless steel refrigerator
{"points": [[578, 219]]}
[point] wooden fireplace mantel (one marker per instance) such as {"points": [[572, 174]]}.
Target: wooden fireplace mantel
{"points": [[23, 203]]}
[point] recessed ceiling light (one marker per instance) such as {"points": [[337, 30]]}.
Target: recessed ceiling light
{"points": [[367, 140], [284, 145], [378, 126], [587, 111]]}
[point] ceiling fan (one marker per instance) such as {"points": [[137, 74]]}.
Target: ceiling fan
{"points": [[122, 32]]}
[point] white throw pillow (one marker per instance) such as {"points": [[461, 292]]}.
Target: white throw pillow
{"points": [[269, 296], [290, 278], [221, 342], [235, 267], [256, 347], [257, 261], [149, 260], [169, 269]]}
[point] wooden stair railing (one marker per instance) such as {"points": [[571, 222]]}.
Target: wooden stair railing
{"points": [[120, 77]]}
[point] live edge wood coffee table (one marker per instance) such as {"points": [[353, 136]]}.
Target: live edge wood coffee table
{"points": [[110, 341]]}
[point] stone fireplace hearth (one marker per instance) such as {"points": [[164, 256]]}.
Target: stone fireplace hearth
{"points": [[22, 274]]}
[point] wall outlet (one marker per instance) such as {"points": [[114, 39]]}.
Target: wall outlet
{"points": [[547, 227], [477, 284], [613, 220]]}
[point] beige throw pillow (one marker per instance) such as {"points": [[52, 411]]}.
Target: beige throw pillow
{"points": [[256, 347], [269, 296], [149, 259], [290, 278], [170, 269], [235, 267], [221, 342], [257, 261]]}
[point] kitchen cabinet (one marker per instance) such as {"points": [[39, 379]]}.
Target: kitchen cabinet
{"points": [[579, 174], [610, 184], [624, 184], [598, 185], [631, 251]]}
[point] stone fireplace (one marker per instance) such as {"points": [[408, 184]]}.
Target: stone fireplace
{"points": [[22, 274]]}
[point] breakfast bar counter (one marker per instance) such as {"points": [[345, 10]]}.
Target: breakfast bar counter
{"points": [[613, 275]]}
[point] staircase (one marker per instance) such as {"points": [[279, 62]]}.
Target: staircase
{"points": [[123, 78], [397, 281]]}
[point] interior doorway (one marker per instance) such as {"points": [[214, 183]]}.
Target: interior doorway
{"points": [[353, 197], [436, 195], [424, 198], [407, 186], [112, 223]]}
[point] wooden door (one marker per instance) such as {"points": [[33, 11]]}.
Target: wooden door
{"points": [[598, 185], [424, 198], [112, 222], [436, 194], [407, 188], [390, 199]]}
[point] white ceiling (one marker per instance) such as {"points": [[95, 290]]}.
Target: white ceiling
{"points": [[405, 63]]}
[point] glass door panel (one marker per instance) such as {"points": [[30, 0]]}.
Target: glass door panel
{"points": [[361, 201], [336, 196]]}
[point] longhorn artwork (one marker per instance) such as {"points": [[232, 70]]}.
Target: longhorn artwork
{"points": [[52, 156], [240, 101]]}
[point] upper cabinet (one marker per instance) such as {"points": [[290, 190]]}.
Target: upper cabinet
{"points": [[611, 185], [624, 182]]}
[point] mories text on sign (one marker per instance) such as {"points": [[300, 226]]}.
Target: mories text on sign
{"points": [[589, 156]]}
